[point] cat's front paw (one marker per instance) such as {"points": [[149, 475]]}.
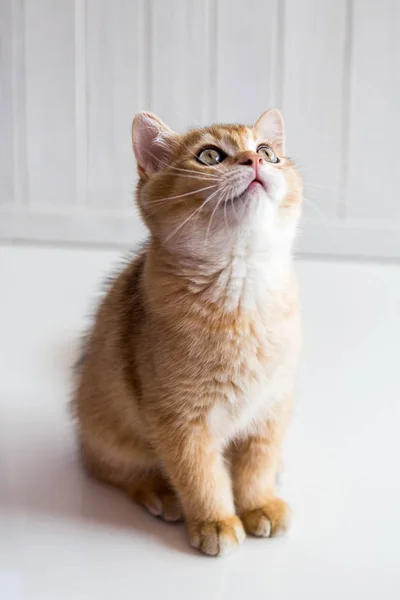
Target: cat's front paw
{"points": [[217, 538], [271, 519]]}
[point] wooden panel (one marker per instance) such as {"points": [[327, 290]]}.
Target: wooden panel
{"points": [[98, 228], [124, 230], [74, 72], [114, 94], [246, 55], [50, 101], [314, 89], [367, 239], [179, 62], [6, 105], [374, 133]]}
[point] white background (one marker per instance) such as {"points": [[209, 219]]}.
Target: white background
{"points": [[73, 73]]}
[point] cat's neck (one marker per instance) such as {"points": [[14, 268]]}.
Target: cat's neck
{"points": [[243, 275]]}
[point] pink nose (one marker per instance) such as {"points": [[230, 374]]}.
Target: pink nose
{"points": [[251, 159]]}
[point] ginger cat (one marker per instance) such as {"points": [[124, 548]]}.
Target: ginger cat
{"points": [[186, 383]]}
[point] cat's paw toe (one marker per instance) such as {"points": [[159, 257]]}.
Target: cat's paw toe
{"points": [[163, 504], [171, 509], [271, 519], [217, 538]]}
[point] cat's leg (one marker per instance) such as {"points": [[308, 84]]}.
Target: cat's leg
{"points": [[136, 471], [256, 461], [152, 490], [198, 472]]}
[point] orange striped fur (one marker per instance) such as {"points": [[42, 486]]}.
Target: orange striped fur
{"points": [[186, 384]]}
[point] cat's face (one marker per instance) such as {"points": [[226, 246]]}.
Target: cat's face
{"points": [[210, 186]]}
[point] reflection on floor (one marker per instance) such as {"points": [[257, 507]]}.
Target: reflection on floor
{"points": [[63, 537]]}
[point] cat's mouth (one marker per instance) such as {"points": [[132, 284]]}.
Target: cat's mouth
{"points": [[254, 186]]}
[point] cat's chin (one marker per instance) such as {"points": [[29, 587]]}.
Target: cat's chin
{"points": [[254, 191]]}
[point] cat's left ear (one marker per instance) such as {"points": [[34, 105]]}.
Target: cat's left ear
{"points": [[270, 126], [153, 143]]}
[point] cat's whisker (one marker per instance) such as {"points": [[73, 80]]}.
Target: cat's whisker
{"points": [[193, 172], [199, 178], [322, 190], [192, 215], [189, 120], [213, 213], [225, 217], [162, 200], [325, 219], [186, 170], [231, 198], [165, 165]]}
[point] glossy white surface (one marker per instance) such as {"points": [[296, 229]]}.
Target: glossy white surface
{"points": [[63, 537]]}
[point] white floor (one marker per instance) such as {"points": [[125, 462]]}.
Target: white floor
{"points": [[63, 537]]}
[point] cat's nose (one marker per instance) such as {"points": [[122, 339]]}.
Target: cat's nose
{"points": [[251, 159]]}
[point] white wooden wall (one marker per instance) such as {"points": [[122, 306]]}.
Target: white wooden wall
{"points": [[74, 72]]}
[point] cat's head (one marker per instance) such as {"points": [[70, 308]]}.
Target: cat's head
{"points": [[212, 186]]}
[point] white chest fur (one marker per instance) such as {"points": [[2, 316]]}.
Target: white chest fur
{"points": [[261, 376], [255, 367], [243, 409]]}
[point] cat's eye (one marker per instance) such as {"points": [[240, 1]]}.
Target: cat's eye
{"points": [[267, 153], [211, 156]]}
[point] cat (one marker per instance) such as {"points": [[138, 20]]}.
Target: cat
{"points": [[186, 385]]}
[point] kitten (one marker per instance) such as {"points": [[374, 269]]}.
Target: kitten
{"points": [[186, 385]]}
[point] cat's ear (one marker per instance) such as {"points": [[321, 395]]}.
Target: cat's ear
{"points": [[270, 126], [153, 142]]}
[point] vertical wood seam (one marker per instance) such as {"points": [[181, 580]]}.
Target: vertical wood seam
{"points": [[81, 99], [212, 28], [146, 55], [21, 173], [279, 63], [345, 106]]}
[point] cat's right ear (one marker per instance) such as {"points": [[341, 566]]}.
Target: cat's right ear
{"points": [[153, 142]]}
